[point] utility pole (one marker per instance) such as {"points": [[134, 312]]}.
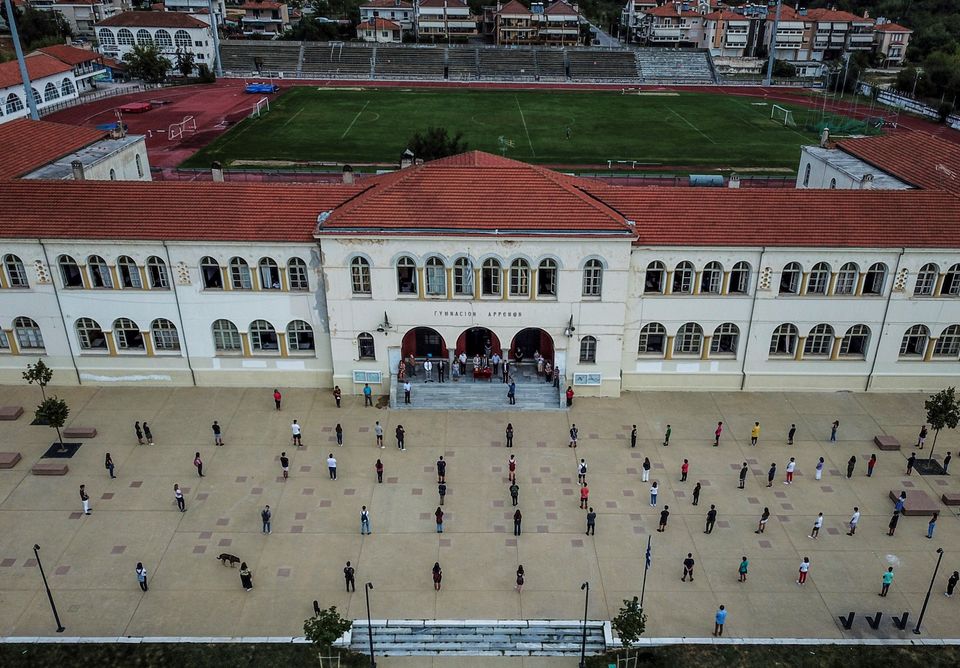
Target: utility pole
{"points": [[773, 46], [217, 65], [24, 75]]}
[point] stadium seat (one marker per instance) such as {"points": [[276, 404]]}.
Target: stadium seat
{"points": [[596, 65], [462, 63], [507, 64], [398, 62], [243, 56], [337, 59], [683, 66]]}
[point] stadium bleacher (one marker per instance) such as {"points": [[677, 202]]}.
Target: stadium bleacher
{"points": [[462, 64], [507, 64], [675, 65], [551, 64], [409, 63], [334, 59], [244, 56], [602, 65]]}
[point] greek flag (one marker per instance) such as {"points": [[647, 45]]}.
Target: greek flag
{"points": [[649, 554]]}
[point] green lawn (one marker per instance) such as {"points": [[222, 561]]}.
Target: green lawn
{"points": [[308, 124]]}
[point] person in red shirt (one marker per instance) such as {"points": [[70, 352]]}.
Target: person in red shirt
{"points": [[276, 397], [569, 396], [512, 465], [684, 469], [584, 495]]}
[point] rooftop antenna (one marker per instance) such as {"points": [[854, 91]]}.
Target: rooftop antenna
{"points": [[504, 145]]}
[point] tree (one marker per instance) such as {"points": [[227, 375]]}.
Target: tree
{"points": [[147, 63], [942, 411], [40, 374], [324, 629], [630, 622], [54, 412], [782, 68], [205, 74], [436, 143], [185, 62], [39, 28]]}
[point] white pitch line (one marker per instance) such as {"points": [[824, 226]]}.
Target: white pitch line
{"points": [[520, 109], [690, 124], [354, 120], [289, 120]]}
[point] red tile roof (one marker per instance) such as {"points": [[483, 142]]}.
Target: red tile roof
{"points": [[386, 4], [560, 8], [514, 7], [152, 20], [836, 16], [918, 158], [788, 217], [70, 54], [378, 24], [475, 193], [670, 9], [261, 4], [891, 27], [187, 211], [38, 67], [28, 144], [457, 4], [727, 15]]}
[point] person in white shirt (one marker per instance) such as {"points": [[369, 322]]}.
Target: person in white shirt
{"points": [[791, 467], [804, 569], [854, 521], [406, 391], [427, 370], [817, 523], [582, 471], [495, 361], [463, 363], [295, 429], [332, 466]]}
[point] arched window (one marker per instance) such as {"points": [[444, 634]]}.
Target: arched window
{"points": [[125, 37], [360, 276], [948, 345], [144, 38], [139, 166], [226, 336], [129, 273], [240, 278], [547, 278], [819, 280], [819, 341], [16, 274], [157, 273], [463, 277], [711, 280], [725, 339], [113, 174], [654, 278], [951, 282], [263, 337], [914, 342], [855, 342], [99, 272], [14, 103], [50, 92], [28, 334], [846, 279], [490, 275], [926, 280], [653, 338], [784, 340], [588, 350], [211, 274], [689, 340], [4, 341], [165, 336], [874, 279], [366, 348], [790, 279], [435, 276], [683, 279], [37, 100], [127, 334], [406, 276], [592, 278], [90, 335], [269, 274], [182, 38], [106, 37], [739, 279], [833, 184], [519, 278], [70, 272], [67, 88], [297, 274], [299, 336], [163, 39], [806, 175]]}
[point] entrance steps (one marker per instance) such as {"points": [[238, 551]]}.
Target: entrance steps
{"points": [[415, 637], [470, 395]]}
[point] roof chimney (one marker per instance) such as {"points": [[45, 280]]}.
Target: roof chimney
{"points": [[734, 181], [866, 183], [406, 159], [216, 170], [347, 174], [824, 137], [77, 168], [679, 8]]}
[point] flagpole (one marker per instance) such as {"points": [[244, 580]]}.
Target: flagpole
{"points": [[646, 567]]}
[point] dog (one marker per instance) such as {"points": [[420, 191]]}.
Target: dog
{"points": [[224, 558]]}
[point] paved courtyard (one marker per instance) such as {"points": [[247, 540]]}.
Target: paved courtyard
{"points": [[90, 560]]}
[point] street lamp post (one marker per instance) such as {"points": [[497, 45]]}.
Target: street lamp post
{"points": [[583, 639], [36, 553], [366, 590], [926, 599]]}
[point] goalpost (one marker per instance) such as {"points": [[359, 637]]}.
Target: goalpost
{"points": [[261, 107], [782, 115], [176, 130]]}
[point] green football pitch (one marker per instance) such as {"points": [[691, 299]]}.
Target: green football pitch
{"points": [[356, 126]]}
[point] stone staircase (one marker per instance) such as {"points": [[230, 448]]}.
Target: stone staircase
{"points": [[415, 637], [470, 395]]}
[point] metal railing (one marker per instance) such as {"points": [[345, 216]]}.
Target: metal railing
{"points": [[98, 95]]}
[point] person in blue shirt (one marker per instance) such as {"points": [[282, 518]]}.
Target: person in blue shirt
{"points": [[719, 621], [367, 396]]}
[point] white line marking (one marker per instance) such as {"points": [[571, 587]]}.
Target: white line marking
{"points": [[690, 124], [354, 120], [292, 117], [520, 109]]}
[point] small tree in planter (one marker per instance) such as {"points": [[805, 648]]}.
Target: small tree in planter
{"points": [[942, 411], [40, 374], [54, 412], [325, 628], [630, 623]]}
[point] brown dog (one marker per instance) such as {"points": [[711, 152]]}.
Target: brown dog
{"points": [[224, 558]]}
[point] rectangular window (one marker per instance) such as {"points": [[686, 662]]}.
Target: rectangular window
{"points": [[166, 339], [436, 281]]}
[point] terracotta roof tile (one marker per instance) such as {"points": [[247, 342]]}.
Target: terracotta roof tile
{"points": [[261, 4], [514, 7], [378, 24], [29, 144], [152, 20], [38, 66], [836, 16], [70, 54], [670, 9], [386, 4], [560, 8], [918, 158], [891, 27]]}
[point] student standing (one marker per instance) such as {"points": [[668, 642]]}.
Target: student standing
{"points": [[585, 494], [108, 464], [246, 577], [379, 467], [514, 492], [688, 567], [922, 438], [582, 471], [367, 396], [378, 430], [285, 465], [742, 570], [791, 433], [819, 472], [277, 397], [512, 469], [217, 436], [764, 517], [332, 466], [871, 463], [653, 495], [719, 620], [400, 433], [886, 581], [85, 499], [569, 396], [442, 491], [684, 469], [517, 518], [296, 432], [817, 523], [664, 514], [932, 524], [441, 371], [509, 435], [645, 476], [337, 394], [407, 388], [136, 428], [633, 437], [900, 503], [147, 433], [339, 432], [804, 570], [892, 526], [439, 517], [851, 464], [349, 576], [178, 496], [771, 474], [520, 578], [952, 584], [711, 519], [833, 431], [696, 494], [946, 463], [265, 516], [364, 521], [591, 522], [791, 467], [854, 521], [911, 462], [666, 436], [743, 475], [511, 388], [716, 434], [437, 576], [198, 463], [574, 432], [755, 433], [427, 370], [142, 576], [441, 470]]}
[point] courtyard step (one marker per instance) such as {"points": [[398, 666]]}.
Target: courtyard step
{"points": [[411, 637], [480, 395]]}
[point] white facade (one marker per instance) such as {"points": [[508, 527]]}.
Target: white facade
{"points": [[116, 42], [398, 11], [112, 159], [198, 8], [47, 92], [833, 169]]}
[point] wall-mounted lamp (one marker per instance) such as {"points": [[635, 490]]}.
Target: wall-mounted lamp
{"points": [[385, 326], [570, 329]]}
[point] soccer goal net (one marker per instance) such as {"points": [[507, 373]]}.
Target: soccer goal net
{"points": [[782, 115], [261, 107]]}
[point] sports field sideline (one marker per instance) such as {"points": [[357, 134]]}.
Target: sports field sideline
{"points": [[372, 125]]}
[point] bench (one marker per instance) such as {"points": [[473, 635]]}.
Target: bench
{"points": [[918, 502], [10, 412], [950, 499], [9, 459], [886, 442], [79, 432], [49, 468]]}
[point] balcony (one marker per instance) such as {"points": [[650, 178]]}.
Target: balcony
{"points": [[667, 33]]}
